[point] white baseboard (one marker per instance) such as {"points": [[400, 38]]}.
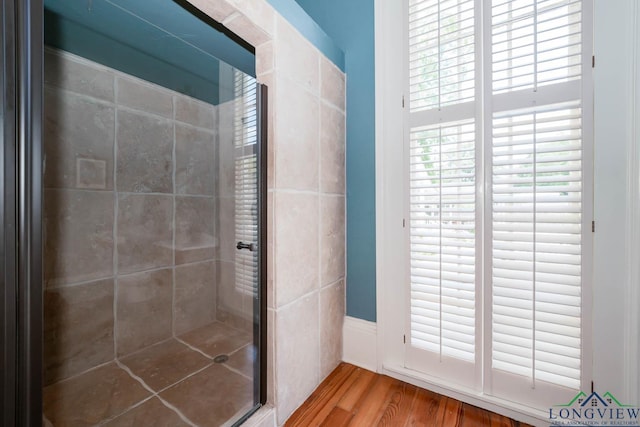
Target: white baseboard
{"points": [[360, 343]]}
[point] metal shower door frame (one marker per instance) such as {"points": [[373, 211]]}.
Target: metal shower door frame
{"points": [[21, 211]]}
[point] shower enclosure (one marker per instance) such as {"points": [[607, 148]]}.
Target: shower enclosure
{"points": [[133, 216]]}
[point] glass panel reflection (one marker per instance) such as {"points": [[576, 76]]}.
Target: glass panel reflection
{"points": [[150, 217]]}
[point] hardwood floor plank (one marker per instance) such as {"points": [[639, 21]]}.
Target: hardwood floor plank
{"points": [[370, 407], [355, 397], [472, 416], [452, 411], [338, 417], [333, 401], [426, 410], [398, 405], [500, 421], [321, 395], [354, 394]]}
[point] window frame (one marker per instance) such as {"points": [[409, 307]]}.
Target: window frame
{"points": [[392, 233]]}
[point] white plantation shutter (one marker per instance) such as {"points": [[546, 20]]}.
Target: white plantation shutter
{"points": [[246, 181], [442, 218], [537, 184], [522, 240], [442, 186], [441, 53], [536, 259], [535, 43]]}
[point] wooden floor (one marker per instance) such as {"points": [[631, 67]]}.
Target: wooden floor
{"points": [[352, 396]]}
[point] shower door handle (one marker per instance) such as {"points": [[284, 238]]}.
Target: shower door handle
{"points": [[250, 246]]}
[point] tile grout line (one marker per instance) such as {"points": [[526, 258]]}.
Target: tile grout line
{"points": [[290, 303], [166, 267], [95, 368], [173, 232], [134, 406], [130, 193], [177, 411], [194, 373], [236, 371], [333, 106], [272, 102], [231, 353], [197, 371], [116, 207], [210, 363], [319, 227], [271, 222], [335, 282], [307, 192], [76, 284], [126, 108], [193, 348], [198, 196], [117, 74], [114, 276], [133, 353], [216, 208], [155, 394]]}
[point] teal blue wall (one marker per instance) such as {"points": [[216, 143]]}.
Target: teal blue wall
{"points": [[163, 42], [308, 27], [351, 25], [157, 40]]}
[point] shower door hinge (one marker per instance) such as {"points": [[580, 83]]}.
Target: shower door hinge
{"points": [[404, 339], [403, 223], [593, 226], [593, 61], [402, 101]]}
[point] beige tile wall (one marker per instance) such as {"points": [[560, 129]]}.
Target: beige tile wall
{"points": [[308, 215], [130, 204]]}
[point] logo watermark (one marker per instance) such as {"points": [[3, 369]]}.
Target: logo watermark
{"points": [[595, 410]]}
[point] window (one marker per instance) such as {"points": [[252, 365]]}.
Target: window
{"points": [[246, 181], [498, 193]]}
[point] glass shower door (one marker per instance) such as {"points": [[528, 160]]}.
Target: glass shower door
{"points": [[153, 213]]}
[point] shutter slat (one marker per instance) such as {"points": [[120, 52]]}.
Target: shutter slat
{"points": [[535, 44], [442, 228], [441, 54], [536, 239], [245, 215]]}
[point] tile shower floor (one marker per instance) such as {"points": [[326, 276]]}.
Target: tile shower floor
{"points": [[172, 383]]}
